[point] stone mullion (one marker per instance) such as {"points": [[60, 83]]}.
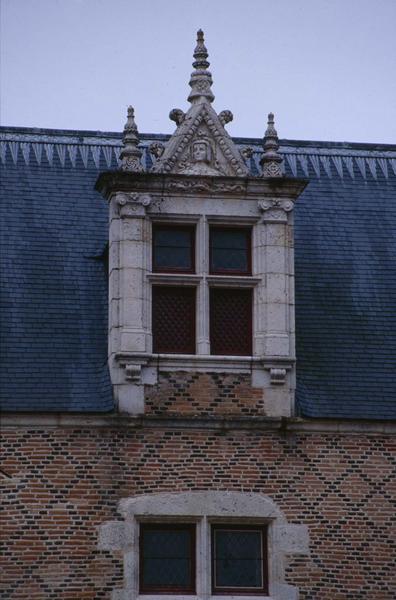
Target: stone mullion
{"points": [[202, 266]]}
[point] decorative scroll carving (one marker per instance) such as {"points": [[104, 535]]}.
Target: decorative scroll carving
{"points": [[133, 204], [203, 186], [278, 203]]}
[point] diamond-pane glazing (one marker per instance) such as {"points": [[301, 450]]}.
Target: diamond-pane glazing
{"points": [[238, 558]]}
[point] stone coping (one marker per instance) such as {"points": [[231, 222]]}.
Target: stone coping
{"points": [[285, 425]]}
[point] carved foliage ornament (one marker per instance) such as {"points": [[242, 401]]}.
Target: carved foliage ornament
{"points": [[203, 186]]}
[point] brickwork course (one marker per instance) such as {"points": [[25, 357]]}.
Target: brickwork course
{"points": [[203, 394], [60, 484]]}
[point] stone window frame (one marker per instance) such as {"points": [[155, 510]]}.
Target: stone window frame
{"points": [[203, 281], [204, 509]]}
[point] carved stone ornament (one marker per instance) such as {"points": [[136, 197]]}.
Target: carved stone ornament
{"points": [[278, 203], [196, 186], [156, 149], [278, 376], [200, 145], [226, 116], [133, 204], [130, 154], [271, 161], [177, 115], [133, 373]]}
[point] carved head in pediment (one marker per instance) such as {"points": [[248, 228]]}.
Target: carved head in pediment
{"points": [[202, 151]]}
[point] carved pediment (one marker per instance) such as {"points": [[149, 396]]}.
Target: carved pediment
{"points": [[200, 145]]}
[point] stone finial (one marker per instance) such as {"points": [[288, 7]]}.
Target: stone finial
{"points": [[271, 161], [130, 154], [201, 78]]}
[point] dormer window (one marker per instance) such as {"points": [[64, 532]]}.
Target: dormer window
{"points": [[201, 262]]}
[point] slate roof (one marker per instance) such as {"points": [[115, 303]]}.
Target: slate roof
{"points": [[54, 284]]}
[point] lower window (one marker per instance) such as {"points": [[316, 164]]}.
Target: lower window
{"points": [[239, 559], [174, 319], [231, 321], [167, 558]]}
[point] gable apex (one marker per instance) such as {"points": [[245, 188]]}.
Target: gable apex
{"points": [[200, 145]]}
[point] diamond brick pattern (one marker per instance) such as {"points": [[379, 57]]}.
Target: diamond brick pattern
{"points": [[60, 484]]}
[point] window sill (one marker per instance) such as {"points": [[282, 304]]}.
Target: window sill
{"points": [[174, 278], [230, 281], [201, 596]]}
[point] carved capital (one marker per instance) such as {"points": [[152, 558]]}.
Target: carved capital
{"points": [[133, 204], [275, 209]]}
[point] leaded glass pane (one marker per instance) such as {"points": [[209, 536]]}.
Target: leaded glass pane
{"points": [[230, 250], [173, 249], [166, 558], [238, 559]]}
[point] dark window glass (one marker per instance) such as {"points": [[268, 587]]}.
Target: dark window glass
{"points": [[230, 251], [167, 558], [239, 559], [173, 249], [174, 319], [231, 321]]}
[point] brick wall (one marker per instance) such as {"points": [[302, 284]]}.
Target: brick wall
{"points": [[60, 483], [203, 394]]}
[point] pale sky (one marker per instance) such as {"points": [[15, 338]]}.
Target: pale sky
{"points": [[326, 68]]}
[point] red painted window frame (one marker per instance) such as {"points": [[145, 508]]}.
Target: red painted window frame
{"points": [[238, 591], [248, 231], [191, 589], [191, 230]]}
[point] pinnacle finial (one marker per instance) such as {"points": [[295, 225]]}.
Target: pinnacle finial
{"points": [[201, 78], [130, 153], [271, 161]]}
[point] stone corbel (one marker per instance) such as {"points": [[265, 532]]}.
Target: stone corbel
{"points": [[133, 373], [275, 209], [278, 372], [132, 365], [133, 205]]}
